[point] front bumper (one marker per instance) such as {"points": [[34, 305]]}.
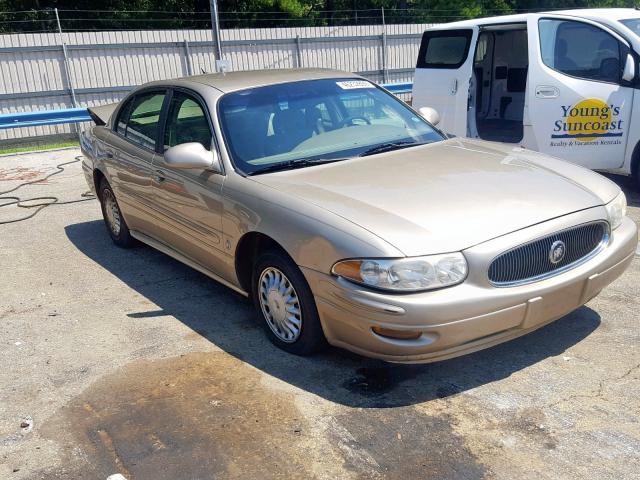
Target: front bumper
{"points": [[473, 315]]}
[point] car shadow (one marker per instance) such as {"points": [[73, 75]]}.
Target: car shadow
{"points": [[228, 320]]}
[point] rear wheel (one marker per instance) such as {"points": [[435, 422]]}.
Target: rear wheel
{"points": [[636, 178], [286, 305], [113, 219], [635, 167]]}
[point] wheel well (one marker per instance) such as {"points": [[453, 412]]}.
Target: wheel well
{"points": [[250, 246], [97, 178]]}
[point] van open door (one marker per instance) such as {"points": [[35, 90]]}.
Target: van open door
{"points": [[443, 73], [580, 94], [498, 88]]}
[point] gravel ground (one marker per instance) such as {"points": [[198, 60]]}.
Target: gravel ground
{"points": [[126, 361]]}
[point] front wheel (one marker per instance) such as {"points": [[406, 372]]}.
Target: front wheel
{"points": [[286, 305]]}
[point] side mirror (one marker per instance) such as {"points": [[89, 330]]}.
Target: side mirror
{"points": [[192, 155], [430, 115], [629, 72]]}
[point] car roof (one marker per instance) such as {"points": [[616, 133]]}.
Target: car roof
{"points": [[240, 80]]}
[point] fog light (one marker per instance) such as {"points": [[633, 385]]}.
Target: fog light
{"points": [[397, 334]]}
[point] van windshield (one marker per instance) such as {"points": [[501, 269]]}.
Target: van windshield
{"points": [[297, 124], [632, 24]]}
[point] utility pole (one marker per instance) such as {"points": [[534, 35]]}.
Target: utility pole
{"points": [[65, 56], [215, 29], [67, 69], [385, 73]]}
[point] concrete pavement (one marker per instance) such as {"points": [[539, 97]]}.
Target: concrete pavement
{"points": [[128, 362]]}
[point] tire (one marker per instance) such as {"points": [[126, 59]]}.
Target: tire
{"points": [[636, 178], [635, 167], [113, 219], [277, 315]]}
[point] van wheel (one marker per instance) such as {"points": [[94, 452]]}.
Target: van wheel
{"points": [[286, 305], [113, 219]]}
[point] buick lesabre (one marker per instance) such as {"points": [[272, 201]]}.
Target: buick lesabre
{"points": [[348, 218]]}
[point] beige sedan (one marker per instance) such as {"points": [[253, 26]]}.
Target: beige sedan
{"points": [[348, 218]]}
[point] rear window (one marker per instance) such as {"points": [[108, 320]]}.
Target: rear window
{"points": [[444, 49]]}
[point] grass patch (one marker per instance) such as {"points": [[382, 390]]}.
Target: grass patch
{"points": [[37, 148]]}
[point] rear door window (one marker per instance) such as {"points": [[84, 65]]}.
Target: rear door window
{"points": [[140, 119], [581, 50], [444, 49]]}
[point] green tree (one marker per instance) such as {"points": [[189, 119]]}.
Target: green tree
{"points": [[145, 14]]}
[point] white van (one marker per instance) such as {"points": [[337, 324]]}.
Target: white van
{"points": [[563, 83]]}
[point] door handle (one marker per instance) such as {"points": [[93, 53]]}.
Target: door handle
{"points": [[454, 86], [547, 91], [160, 176]]}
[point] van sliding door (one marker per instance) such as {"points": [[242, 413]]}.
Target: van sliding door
{"points": [[442, 76]]}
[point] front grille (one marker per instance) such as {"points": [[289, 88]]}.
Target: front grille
{"points": [[530, 262]]}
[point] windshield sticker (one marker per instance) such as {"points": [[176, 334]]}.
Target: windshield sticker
{"points": [[589, 122], [353, 84]]}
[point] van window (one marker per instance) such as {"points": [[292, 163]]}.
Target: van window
{"points": [[633, 24], [580, 50], [444, 49], [482, 47]]}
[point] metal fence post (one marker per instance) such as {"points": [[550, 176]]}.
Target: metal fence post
{"points": [[187, 55], [67, 69], [385, 74], [215, 28], [299, 51]]}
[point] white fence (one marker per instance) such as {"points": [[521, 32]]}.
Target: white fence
{"points": [[50, 71]]}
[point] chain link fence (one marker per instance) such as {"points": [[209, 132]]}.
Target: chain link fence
{"points": [[46, 21]]}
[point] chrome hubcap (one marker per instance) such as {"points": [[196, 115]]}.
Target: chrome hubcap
{"points": [[112, 211], [280, 305]]}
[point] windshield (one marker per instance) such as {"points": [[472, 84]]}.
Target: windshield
{"points": [[301, 123], [632, 24]]}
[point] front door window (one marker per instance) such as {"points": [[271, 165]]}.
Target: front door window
{"points": [[186, 122], [580, 50]]}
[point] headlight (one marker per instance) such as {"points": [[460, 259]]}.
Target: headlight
{"points": [[405, 274], [616, 210]]}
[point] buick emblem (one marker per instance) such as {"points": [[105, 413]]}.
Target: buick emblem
{"points": [[557, 251]]}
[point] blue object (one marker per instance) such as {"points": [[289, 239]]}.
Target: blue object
{"points": [[398, 87], [44, 117]]}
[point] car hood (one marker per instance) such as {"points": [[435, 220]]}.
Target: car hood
{"points": [[446, 196]]}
